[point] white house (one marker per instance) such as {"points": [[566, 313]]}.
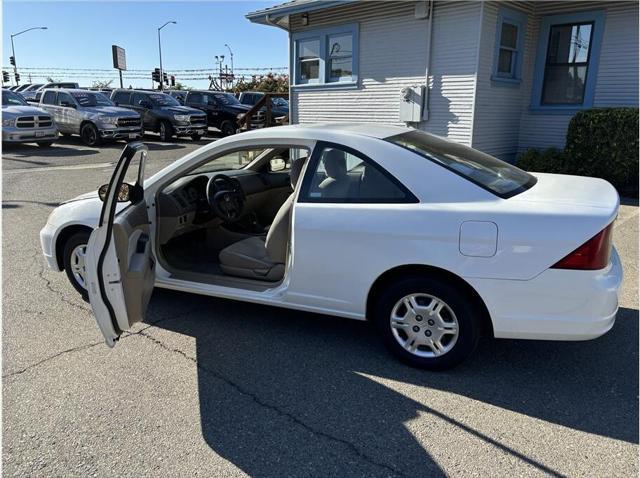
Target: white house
{"points": [[501, 76]]}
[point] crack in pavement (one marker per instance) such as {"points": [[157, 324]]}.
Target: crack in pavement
{"points": [[256, 399]]}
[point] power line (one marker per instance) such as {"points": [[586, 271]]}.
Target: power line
{"points": [[110, 70]]}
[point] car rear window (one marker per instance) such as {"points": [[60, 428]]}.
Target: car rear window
{"points": [[500, 178]]}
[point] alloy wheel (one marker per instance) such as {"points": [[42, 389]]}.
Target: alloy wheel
{"points": [[78, 265]]}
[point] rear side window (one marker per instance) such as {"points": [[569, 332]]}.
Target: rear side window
{"points": [[49, 97], [341, 175], [196, 98], [492, 174], [121, 97]]}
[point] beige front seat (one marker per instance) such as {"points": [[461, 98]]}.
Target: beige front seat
{"points": [[257, 258]]}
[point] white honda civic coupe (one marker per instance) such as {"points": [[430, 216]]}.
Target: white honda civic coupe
{"points": [[434, 242]]}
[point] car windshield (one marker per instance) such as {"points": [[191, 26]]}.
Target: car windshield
{"points": [[226, 99], [9, 98], [492, 174], [88, 98], [34, 87], [161, 99], [280, 102]]}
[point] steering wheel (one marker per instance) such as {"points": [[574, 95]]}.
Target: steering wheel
{"points": [[226, 197]]}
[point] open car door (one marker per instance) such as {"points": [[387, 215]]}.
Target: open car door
{"points": [[120, 264]]}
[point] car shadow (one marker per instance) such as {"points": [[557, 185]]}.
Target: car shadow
{"points": [[316, 381], [56, 150], [119, 145]]}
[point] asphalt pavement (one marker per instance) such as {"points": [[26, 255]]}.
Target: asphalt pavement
{"points": [[211, 387]]}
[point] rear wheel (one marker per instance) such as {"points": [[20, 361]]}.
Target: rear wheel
{"points": [[166, 131], [90, 135], [227, 128], [427, 322], [74, 261]]}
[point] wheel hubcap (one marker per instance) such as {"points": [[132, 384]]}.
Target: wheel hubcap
{"points": [[431, 338], [78, 267]]}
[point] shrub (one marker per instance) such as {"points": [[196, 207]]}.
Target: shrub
{"points": [[551, 160], [604, 143]]}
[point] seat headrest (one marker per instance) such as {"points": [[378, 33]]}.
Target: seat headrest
{"points": [[296, 169], [335, 163]]}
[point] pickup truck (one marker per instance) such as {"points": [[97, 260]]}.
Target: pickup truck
{"points": [[91, 115], [162, 113], [279, 106], [223, 110], [23, 123]]}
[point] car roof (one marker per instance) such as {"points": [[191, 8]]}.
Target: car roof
{"points": [[325, 131], [72, 90]]}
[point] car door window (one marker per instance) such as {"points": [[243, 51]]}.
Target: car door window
{"points": [[122, 97], [49, 98], [65, 99], [136, 98], [342, 175], [196, 99]]}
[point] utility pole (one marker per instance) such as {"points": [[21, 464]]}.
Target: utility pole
{"points": [[231, 55], [160, 52], [13, 52]]}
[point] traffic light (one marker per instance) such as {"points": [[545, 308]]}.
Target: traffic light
{"points": [[155, 75], [173, 80], [165, 77], [12, 60], [17, 76], [5, 77]]}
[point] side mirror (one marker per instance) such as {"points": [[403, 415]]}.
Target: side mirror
{"points": [[123, 195], [277, 164]]}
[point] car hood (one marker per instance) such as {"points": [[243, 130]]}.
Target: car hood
{"points": [[182, 110], [110, 111], [8, 111], [237, 108]]}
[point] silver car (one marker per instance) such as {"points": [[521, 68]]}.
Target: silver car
{"points": [[23, 123], [91, 115]]}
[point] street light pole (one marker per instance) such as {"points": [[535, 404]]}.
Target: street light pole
{"points": [[13, 50], [231, 55], [160, 53]]}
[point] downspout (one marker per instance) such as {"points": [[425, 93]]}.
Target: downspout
{"points": [[475, 83], [425, 109]]}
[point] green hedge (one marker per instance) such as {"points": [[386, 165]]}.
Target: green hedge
{"points": [[601, 142]]}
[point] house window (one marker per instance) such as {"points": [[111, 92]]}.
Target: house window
{"points": [[309, 60], [326, 57], [509, 45], [566, 66], [565, 71]]}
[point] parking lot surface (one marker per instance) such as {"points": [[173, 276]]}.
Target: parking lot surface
{"points": [[209, 387]]}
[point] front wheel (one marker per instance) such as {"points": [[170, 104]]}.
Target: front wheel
{"points": [[427, 322], [227, 128], [196, 137], [74, 253], [90, 135], [166, 131]]}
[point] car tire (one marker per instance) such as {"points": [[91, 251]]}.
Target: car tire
{"points": [[166, 131], [423, 338], [227, 128], [45, 144], [196, 137], [90, 134], [74, 262]]}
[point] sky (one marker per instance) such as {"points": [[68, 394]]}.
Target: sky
{"points": [[80, 35]]}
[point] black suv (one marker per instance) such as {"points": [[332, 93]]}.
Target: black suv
{"points": [[223, 109], [162, 113]]}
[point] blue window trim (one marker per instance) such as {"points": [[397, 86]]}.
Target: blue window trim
{"points": [[519, 19], [322, 35], [595, 16]]}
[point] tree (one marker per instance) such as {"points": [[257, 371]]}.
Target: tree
{"points": [[269, 83], [101, 83], [180, 86]]}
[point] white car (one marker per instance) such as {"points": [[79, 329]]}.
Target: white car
{"points": [[434, 242]]}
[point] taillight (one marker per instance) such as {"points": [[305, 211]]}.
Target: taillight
{"points": [[590, 256]]}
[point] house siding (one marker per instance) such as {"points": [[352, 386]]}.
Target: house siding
{"points": [[393, 54], [617, 80], [503, 122]]}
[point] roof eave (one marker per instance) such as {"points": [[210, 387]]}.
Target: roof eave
{"points": [[278, 16]]}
